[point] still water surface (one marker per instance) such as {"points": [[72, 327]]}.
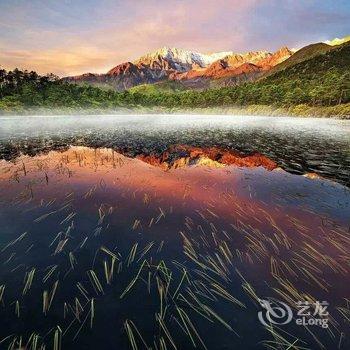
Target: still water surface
{"points": [[298, 145], [99, 249]]}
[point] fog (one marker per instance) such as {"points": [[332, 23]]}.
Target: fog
{"points": [[17, 126], [298, 145]]}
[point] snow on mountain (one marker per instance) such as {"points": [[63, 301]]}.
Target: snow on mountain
{"points": [[180, 59], [178, 64], [337, 41]]}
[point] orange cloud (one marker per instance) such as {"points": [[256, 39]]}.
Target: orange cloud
{"points": [[61, 61], [191, 25]]}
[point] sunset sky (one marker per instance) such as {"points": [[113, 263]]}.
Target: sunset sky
{"points": [[69, 37]]}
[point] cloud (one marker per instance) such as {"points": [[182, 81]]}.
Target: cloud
{"points": [[59, 61], [70, 51], [73, 37]]}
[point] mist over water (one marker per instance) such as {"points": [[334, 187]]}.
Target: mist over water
{"points": [[298, 145]]}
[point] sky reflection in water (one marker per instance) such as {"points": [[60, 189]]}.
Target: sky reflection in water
{"points": [[88, 221]]}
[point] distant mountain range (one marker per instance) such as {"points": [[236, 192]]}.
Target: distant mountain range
{"points": [[312, 81], [187, 69]]}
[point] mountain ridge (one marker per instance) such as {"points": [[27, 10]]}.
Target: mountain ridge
{"points": [[178, 64], [196, 70]]}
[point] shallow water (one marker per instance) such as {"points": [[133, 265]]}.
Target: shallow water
{"points": [[95, 243]]}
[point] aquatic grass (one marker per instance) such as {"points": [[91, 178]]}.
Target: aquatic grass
{"points": [[109, 270], [13, 242], [132, 254], [83, 291], [200, 279], [133, 281], [57, 343], [89, 313], [189, 326], [110, 253], [44, 216], [220, 291], [49, 273], [95, 282], [60, 246], [165, 330], [280, 340], [2, 291], [130, 335], [92, 312], [145, 250], [28, 281], [17, 308]]}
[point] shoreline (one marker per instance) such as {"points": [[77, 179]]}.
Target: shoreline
{"points": [[341, 111]]}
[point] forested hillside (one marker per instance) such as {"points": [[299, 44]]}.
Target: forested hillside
{"points": [[323, 80]]}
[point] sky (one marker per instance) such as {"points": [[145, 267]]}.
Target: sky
{"points": [[69, 37]]}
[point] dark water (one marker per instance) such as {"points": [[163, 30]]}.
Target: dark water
{"points": [[297, 145], [98, 248]]}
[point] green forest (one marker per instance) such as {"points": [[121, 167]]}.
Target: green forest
{"points": [[321, 81]]}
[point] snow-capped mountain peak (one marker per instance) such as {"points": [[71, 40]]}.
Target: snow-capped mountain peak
{"points": [[337, 41], [183, 59]]}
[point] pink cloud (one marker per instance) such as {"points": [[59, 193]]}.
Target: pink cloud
{"points": [[196, 25]]}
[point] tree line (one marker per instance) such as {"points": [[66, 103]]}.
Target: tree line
{"points": [[322, 81]]}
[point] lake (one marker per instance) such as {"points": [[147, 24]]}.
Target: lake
{"points": [[170, 232]]}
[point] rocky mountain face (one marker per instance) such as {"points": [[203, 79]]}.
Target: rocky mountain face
{"points": [[233, 69], [194, 69], [122, 77]]}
